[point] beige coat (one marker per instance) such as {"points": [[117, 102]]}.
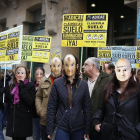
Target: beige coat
{"points": [[42, 97]]}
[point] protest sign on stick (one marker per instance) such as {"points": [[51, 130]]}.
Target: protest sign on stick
{"points": [[4, 82], [10, 45], [84, 30], [30, 71], [41, 49], [81, 59]]}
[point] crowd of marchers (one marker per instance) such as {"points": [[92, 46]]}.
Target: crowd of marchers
{"points": [[70, 105]]}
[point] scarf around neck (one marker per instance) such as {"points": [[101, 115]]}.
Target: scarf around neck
{"points": [[15, 92]]}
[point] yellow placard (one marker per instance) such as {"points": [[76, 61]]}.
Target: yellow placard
{"points": [[72, 30], [41, 49], [101, 62], [95, 30], [3, 44], [84, 30], [137, 59], [57, 53], [12, 46], [27, 45], [105, 54]]}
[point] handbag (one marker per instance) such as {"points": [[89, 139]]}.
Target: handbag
{"points": [[55, 130]]}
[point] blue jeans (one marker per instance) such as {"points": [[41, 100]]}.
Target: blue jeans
{"points": [[64, 135], [36, 128], [5, 114], [1, 131]]}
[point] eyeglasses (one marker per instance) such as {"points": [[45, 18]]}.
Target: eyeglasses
{"points": [[39, 74], [22, 73]]}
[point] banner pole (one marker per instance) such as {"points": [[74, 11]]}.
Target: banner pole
{"points": [[4, 82], [30, 72], [81, 59]]}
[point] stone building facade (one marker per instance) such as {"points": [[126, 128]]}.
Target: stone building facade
{"points": [[30, 12]]}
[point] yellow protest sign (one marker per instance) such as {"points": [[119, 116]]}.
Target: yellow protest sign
{"points": [[105, 54], [72, 30], [27, 44], [57, 53], [84, 30], [103, 62], [95, 30], [137, 59], [12, 46], [41, 49], [3, 44]]}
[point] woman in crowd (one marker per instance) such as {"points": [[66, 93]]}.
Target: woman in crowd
{"points": [[39, 73], [19, 124], [4, 92], [118, 117], [138, 76], [69, 104]]}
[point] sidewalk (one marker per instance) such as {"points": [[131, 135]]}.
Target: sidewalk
{"points": [[9, 138]]}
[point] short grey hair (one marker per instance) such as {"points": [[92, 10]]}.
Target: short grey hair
{"points": [[95, 61]]}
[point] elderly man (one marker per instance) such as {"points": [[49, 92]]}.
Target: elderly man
{"points": [[96, 82], [44, 91]]}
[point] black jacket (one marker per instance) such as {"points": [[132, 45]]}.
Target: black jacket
{"points": [[119, 121], [6, 91], [78, 116], [20, 116]]}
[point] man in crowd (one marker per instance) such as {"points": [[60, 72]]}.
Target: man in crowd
{"points": [[4, 93], [11, 74], [109, 68], [96, 82], [43, 92]]}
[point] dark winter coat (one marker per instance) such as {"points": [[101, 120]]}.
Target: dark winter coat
{"points": [[119, 122], [97, 94], [20, 115], [78, 116], [6, 91]]}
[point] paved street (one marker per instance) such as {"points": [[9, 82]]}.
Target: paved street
{"points": [[8, 138]]}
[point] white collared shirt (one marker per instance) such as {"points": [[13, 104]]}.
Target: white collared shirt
{"points": [[91, 85]]}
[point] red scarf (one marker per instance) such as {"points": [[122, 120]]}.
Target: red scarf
{"points": [[53, 78]]}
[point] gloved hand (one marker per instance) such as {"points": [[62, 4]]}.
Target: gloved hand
{"points": [[21, 85]]}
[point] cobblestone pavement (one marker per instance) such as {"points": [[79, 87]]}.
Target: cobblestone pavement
{"points": [[9, 138]]}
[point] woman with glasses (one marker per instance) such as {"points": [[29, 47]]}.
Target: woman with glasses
{"points": [[39, 73], [22, 97]]}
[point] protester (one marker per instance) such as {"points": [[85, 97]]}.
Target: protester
{"points": [[138, 75], [70, 97], [43, 92], [109, 68], [19, 124], [119, 115], [96, 82], [4, 94], [39, 73], [11, 74], [5, 114]]}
